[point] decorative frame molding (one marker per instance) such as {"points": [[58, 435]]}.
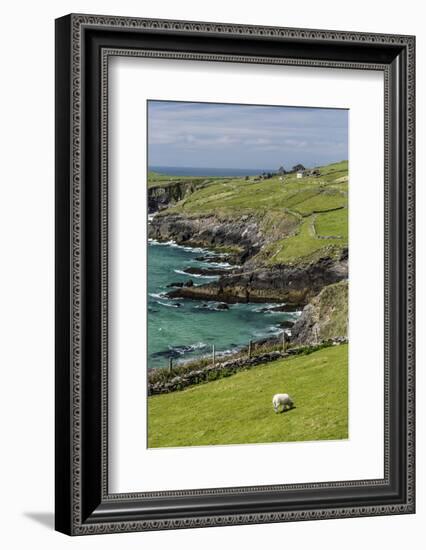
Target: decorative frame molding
{"points": [[84, 44]]}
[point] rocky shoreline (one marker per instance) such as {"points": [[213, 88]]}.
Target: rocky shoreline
{"points": [[249, 278], [294, 285], [243, 236]]}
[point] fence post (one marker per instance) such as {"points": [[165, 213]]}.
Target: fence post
{"points": [[214, 356], [284, 336], [249, 349], [170, 364]]}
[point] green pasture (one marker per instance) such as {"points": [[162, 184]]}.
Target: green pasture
{"points": [[238, 409]]}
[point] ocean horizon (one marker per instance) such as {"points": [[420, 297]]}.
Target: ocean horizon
{"points": [[207, 171]]}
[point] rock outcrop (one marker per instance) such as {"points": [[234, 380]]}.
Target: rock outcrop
{"points": [[242, 235], [163, 196], [325, 317], [293, 285]]}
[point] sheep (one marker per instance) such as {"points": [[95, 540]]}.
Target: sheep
{"points": [[282, 399]]}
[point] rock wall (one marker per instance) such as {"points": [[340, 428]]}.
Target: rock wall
{"points": [[212, 372]]}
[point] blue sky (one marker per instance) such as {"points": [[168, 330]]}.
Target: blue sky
{"points": [[244, 136]]}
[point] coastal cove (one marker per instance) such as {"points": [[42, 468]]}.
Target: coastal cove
{"points": [[183, 329], [234, 259]]}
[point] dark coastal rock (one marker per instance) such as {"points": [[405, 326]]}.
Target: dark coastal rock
{"points": [[287, 324], [294, 285], [215, 258], [209, 271], [176, 285], [243, 235], [222, 305], [189, 283]]}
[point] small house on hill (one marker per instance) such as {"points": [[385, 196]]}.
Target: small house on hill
{"points": [[300, 174]]}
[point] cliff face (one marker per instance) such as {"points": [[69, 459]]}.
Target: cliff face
{"points": [[325, 317], [162, 196], [243, 236]]}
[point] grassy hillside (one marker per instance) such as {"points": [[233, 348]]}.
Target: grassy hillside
{"points": [[304, 218], [239, 409], [304, 196]]}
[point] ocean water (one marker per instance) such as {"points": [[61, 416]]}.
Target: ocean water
{"points": [[187, 329], [219, 172]]}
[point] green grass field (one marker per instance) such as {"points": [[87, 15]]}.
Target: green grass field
{"points": [[235, 195], [305, 244], [333, 223], [239, 409]]}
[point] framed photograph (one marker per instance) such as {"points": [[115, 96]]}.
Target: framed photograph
{"points": [[234, 274]]}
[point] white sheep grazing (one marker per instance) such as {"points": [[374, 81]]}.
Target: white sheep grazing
{"points": [[282, 399]]}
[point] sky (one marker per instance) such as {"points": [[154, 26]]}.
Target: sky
{"points": [[223, 135]]}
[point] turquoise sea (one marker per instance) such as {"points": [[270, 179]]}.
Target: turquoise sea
{"points": [[187, 329]]}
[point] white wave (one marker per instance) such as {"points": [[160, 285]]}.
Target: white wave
{"points": [[275, 329], [196, 275], [157, 294], [195, 249], [166, 304], [271, 308], [162, 243], [271, 330], [186, 248], [211, 306], [199, 345], [187, 349], [223, 265]]}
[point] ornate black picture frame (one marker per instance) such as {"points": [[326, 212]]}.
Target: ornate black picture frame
{"points": [[83, 45]]}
